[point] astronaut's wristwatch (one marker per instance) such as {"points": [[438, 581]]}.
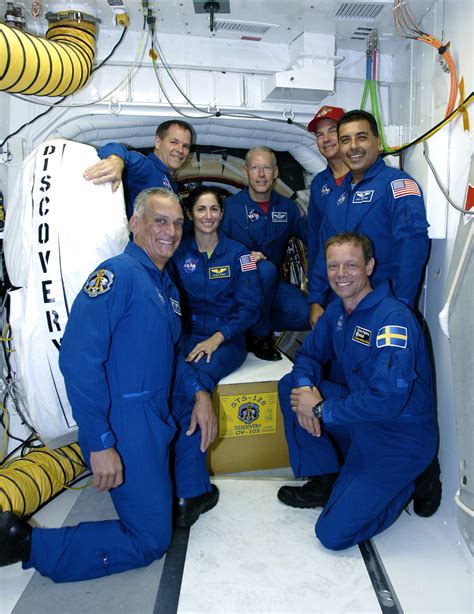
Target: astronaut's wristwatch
{"points": [[318, 410]]}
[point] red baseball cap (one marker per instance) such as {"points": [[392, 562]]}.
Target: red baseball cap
{"points": [[325, 112]]}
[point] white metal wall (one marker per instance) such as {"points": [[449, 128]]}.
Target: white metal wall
{"points": [[451, 152]]}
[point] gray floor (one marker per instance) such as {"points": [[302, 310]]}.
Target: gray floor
{"points": [[117, 593], [246, 555], [132, 591]]}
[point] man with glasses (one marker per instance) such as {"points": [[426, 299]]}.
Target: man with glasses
{"points": [[264, 221]]}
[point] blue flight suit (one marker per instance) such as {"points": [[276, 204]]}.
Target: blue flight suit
{"points": [[220, 293], [117, 357], [140, 172], [381, 428], [384, 207], [285, 307], [322, 186]]}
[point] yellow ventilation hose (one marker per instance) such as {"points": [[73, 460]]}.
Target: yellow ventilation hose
{"points": [[29, 482], [56, 66]]}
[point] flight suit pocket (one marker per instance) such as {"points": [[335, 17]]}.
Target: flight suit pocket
{"points": [[151, 409]]}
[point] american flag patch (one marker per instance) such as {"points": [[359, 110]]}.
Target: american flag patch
{"points": [[405, 187], [247, 262]]}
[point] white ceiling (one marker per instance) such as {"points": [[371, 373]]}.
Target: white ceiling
{"points": [[281, 20]]}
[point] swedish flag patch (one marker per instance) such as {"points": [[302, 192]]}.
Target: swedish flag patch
{"points": [[394, 336]]}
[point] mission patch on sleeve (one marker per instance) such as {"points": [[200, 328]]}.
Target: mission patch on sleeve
{"points": [[99, 283]]}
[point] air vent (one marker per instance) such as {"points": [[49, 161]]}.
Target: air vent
{"points": [[242, 27], [359, 10], [361, 33]]}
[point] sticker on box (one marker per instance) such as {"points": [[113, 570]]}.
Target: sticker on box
{"points": [[247, 414]]}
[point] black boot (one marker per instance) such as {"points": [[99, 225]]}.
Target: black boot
{"points": [[315, 493], [263, 348], [427, 495], [15, 539], [187, 511]]}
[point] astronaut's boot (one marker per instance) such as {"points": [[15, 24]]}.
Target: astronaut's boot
{"points": [[263, 348], [315, 493], [427, 495], [15, 539], [187, 511]]}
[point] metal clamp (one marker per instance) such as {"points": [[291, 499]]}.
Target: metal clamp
{"points": [[115, 107], [71, 16]]}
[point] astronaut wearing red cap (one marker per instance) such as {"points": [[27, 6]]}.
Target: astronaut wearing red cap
{"points": [[324, 126]]}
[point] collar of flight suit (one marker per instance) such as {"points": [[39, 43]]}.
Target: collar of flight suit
{"points": [[371, 172], [140, 254], [372, 298]]}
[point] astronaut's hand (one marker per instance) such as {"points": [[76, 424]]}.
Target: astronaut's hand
{"points": [[315, 312], [302, 401], [312, 425], [258, 256], [107, 468], [203, 416], [109, 169], [205, 348]]}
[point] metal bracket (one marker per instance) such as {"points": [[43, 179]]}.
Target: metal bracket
{"points": [[6, 155]]}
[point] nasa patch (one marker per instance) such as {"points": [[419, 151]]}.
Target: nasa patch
{"points": [[325, 190], [362, 196], [279, 216], [253, 215], [190, 265], [99, 283]]}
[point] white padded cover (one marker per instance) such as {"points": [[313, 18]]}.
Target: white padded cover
{"points": [[58, 228]]}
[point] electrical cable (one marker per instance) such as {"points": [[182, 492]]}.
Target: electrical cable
{"points": [[11, 386], [205, 112], [154, 56], [370, 86], [6, 426], [24, 445], [398, 150], [410, 29], [440, 184]]}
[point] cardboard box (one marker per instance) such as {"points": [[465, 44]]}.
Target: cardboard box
{"points": [[250, 425]]}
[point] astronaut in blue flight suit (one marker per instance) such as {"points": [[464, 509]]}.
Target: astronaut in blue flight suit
{"points": [[381, 202], [264, 221], [118, 356], [375, 436], [172, 145], [219, 288], [324, 127]]}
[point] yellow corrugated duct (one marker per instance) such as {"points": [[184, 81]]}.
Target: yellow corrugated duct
{"points": [[29, 482], [56, 66]]}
